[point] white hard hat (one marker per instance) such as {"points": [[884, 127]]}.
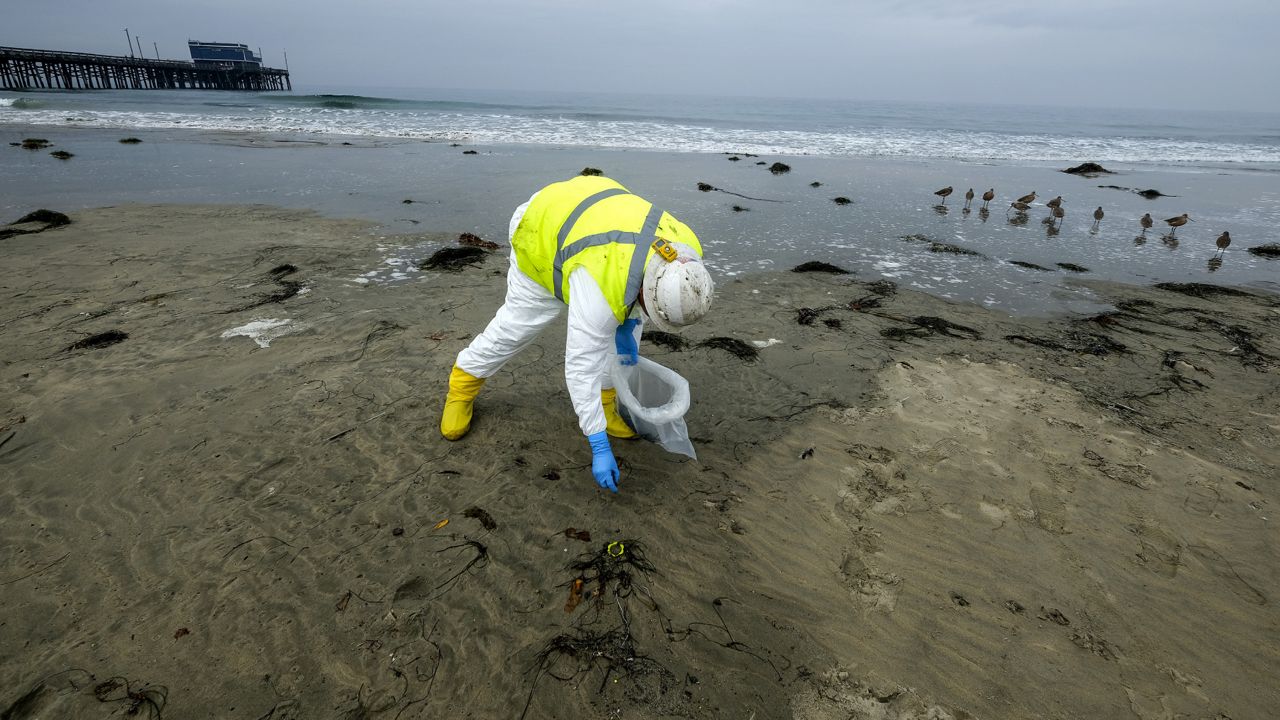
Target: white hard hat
{"points": [[676, 292]]}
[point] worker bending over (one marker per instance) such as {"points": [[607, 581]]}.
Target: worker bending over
{"points": [[616, 261]]}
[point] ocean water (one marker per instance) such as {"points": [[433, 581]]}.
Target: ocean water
{"points": [[347, 154], [687, 124]]}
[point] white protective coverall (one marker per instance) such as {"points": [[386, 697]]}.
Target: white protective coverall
{"points": [[589, 346]]}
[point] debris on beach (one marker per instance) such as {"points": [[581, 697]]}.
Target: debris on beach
{"points": [[485, 519], [34, 222], [734, 158], [1075, 342], [62, 154], [941, 247], [100, 340], [842, 200], [576, 534], [1270, 250], [1088, 169], [453, 259], [1030, 265], [806, 316], [733, 346], [707, 187], [1150, 193], [407, 201], [470, 152], [286, 290], [739, 208], [472, 240], [135, 141], [762, 163], [591, 172], [883, 288], [670, 341], [819, 266], [779, 168], [262, 331], [1204, 291], [1072, 267], [815, 184], [35, 144], [762, 344]]}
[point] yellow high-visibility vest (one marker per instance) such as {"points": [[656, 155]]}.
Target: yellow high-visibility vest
{"points": [[594, 223]]}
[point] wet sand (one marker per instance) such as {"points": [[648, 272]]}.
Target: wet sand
{"points": [[903, 508]]}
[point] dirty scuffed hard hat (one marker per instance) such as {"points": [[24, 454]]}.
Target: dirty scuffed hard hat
{"points": [[676, 292]]}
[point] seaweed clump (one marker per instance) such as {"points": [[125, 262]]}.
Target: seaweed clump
{"points": [[779, 168], [941, 247], [62, 154], [1076, 342], [670, 341], [1201, 290], [1072, 267], [1029, 265], [129, 141], [611, 571], [1270, 250], [591, 172], [35, 144], [51, 218], [842, 200], [1087, 169], [733, 346], [818, 266], [473, 240], [453, 259], [101, 340]]}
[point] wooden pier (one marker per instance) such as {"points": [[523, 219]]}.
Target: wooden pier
{"points": [[23, 69]]}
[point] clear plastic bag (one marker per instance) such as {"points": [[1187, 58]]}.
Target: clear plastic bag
{"points": [[653, 400]]}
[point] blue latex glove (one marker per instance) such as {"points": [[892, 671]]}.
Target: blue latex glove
{"points": [[624, 338], [603, 465]]}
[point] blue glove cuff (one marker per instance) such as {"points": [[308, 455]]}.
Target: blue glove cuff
{"points": [[599, 443]]}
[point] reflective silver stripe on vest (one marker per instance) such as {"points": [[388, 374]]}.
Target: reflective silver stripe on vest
{"points": [[569, 222], [635, 274], [557, 269]]}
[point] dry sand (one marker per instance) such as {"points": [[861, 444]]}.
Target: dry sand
{"points": [[890, 517]]}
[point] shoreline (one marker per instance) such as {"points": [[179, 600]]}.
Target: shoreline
{"points": [[905, 505], [411, 187]]}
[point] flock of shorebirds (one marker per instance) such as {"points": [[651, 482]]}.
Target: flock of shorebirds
{"points": [[1057, 213]]}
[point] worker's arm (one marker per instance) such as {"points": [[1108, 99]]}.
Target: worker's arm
{"points": [[589, 346]]}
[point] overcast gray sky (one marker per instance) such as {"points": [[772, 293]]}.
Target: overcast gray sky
{"points": [[1206, 54]]}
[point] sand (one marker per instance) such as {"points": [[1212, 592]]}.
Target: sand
{"points": [[230, 502]]}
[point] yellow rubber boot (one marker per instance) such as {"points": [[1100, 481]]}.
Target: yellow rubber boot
{"points": [[455, 421], [613, 422]]}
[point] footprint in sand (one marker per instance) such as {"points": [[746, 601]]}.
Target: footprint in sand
{"points": [[835, 694], [874, 590], [1221, 567], [1159, 551]]}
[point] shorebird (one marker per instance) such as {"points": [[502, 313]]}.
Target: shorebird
{"points": [[1146, 223], [1020, 206], [1059, 213], [1056, 202], [1177, 222], [968, 197], [1224, 241], [988, 196], [943, 193], [1097, 217], [1028, 199]]}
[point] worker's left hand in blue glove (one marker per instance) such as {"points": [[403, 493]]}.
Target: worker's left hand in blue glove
{"points": [[625, 340], [603, 465]]}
